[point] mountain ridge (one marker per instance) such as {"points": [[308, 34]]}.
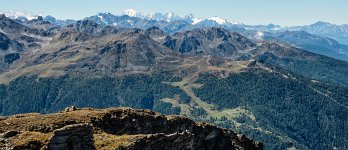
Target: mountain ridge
{"points": [[337, 32], [116, 128], [149, 16]]}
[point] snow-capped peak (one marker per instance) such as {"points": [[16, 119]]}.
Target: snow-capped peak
{"points": [[135, 13], [20, 15], [218, 20], [170, 16], [131, 12], [196, 20]]}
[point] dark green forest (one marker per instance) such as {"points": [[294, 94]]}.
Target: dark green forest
{"points": [[322, 68], [47, 95], [293, 106]]}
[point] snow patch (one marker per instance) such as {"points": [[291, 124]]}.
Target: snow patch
{"points": [[196, 20], [259, 35], [169, 16], [102, 19], [130, 22], [218, 20]]}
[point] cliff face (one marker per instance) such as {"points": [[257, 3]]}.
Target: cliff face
{"points": [[115, 128]]}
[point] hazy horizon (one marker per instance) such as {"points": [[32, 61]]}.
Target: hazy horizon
{"points": [[252, 12]]}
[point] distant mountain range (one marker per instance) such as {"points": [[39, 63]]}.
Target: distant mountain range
{"points": [[334, 37], [337, 32], [311, 42], [262, 83]]}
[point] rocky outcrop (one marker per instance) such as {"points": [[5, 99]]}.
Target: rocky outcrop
{"points": [[77, 136], [9, 134], [184, 140], [116, 128], [211, 140]]}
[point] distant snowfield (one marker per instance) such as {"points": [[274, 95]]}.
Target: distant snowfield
{"points": [[19, 15], [218, 20]]}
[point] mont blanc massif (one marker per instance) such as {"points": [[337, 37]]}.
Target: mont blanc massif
{"points": [[231, 84]]}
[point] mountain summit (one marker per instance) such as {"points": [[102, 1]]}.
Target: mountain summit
{"points": [[170, 16]]}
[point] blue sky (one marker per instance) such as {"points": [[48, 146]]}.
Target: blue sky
{"points": [[283, 12]]}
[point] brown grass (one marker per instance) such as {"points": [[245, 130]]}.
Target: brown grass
{"points": [[26, 139], [104, 141]]}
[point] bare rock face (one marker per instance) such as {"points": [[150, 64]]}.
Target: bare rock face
{"points": [[9, 134], [184, 140], [116, 128], [214, 41], [128, 121], [72, 137], [188, 140]]}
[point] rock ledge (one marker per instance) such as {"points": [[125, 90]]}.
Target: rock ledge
{"points": [[116, 128]]}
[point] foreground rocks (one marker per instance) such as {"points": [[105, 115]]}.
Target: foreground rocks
{"points": [[79, 136], [115, 128]]}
